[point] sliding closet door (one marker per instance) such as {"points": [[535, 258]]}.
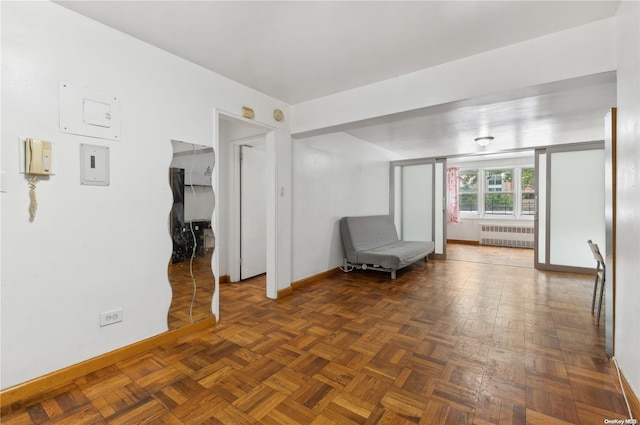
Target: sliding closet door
{"points": [[570, 206], [417, 201]]}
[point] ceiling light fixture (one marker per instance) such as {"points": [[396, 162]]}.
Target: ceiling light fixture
{"points": [[483, 142]]}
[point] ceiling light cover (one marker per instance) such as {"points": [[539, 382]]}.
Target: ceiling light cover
{"points": [[483, 141]]}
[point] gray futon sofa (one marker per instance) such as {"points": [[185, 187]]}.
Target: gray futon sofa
{"points": [[371, 242]]}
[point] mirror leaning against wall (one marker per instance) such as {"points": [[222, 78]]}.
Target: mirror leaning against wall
{"points": [[189, 269]]}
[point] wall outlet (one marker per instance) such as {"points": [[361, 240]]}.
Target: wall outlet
{"points": [[111, 317]]}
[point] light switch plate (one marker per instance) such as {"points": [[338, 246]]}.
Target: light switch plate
{"points": [[94, 165]]}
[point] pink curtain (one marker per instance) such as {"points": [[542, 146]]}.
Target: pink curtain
{"points": [[453, 210]]}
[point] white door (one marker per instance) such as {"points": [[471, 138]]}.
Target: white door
{"points": [[253, 211]]}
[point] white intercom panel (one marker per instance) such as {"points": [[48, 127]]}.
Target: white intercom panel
{"points": [[35, 160], [37, 156]]}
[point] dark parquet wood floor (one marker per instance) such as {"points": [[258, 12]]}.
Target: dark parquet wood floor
{"points": [[448, 342]]}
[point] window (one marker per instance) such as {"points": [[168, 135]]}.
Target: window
{"points": [[468, 191], [497, 192], [528, 191]]}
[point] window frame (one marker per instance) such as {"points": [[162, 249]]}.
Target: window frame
{"points": [[517, 193]]}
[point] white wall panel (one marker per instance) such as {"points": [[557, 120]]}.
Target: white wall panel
{"points": [[417, 202], [397, 198], [577, 206]]}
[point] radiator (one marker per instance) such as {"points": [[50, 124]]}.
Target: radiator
{"points": [[513, 235]]}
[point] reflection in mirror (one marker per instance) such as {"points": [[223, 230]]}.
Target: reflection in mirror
{"points": [[189, 269]]}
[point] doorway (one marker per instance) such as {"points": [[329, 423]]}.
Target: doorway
{"points": [[231, 132], [491, 205]]}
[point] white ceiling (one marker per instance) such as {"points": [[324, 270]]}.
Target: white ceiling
{"points": [[300, 50]]}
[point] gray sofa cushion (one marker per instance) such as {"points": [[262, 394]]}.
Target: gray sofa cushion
{"points": [[364, 233], [396, 255]]}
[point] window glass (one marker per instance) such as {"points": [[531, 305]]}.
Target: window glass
{"points": [[498, 198], [528, 191], [468, 191]]}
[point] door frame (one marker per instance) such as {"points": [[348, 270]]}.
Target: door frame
{"points": [[610, 199]]}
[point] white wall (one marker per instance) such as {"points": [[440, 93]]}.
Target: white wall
{"points": [[627, 337], [93, 249], [335, 175]]}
